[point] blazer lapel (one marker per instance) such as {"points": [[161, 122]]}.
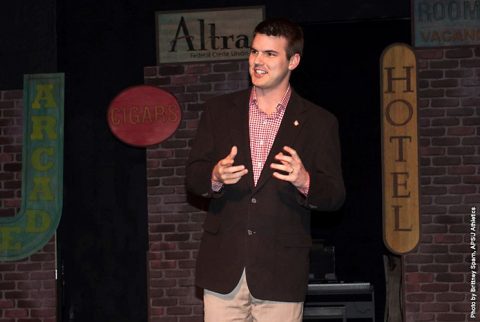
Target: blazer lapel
{"points": [[291, 125], [239, 129]]}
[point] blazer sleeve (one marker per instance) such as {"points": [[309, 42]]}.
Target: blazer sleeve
{"points": [[327, 190], [202, 159]]}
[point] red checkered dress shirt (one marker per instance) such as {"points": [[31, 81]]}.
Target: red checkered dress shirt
{"points": [[263, 130]]}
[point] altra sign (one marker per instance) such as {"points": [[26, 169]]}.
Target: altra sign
{"points": [[42, 175], [401, 214], [201, 35]]}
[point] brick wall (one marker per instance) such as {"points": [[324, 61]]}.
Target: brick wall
{"points": [[27, 287], [11, 136], [175, 225], [437, 275]]}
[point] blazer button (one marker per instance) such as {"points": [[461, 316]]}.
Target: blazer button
{"points": [[250, 232], [254, 200]]}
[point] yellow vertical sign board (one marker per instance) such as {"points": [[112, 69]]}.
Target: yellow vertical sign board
{"points": [[42, 169], [401, 213]]}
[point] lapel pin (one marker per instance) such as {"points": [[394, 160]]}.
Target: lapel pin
{"points": [[296, 123]]}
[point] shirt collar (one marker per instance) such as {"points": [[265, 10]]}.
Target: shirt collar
{"points": [[282, 105]]}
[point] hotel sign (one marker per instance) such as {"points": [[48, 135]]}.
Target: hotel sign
{"points": [[440, 23], [401, 213], [205, 35]]}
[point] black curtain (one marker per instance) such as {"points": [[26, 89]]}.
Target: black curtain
{"points": [[102, 48], [340, 71]]}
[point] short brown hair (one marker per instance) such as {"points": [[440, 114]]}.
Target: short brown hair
{"points": [[281, 27]]}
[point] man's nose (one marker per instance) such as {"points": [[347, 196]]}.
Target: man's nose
{"points": [[258, 59]]}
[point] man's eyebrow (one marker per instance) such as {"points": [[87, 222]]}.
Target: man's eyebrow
{"points": [[271, 51], [268, 51]]}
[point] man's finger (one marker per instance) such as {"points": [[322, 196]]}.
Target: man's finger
{"points": [[291, 151], [233, 152], [234, 169], [282, 176], [226, 162], [283, 158], [234, 177], [286, 168], [230, 158]]}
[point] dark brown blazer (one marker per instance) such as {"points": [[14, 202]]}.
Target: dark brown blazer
{"points": [[262, 228]]}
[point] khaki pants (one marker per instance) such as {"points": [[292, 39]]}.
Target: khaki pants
{"points": [[241, 306]]}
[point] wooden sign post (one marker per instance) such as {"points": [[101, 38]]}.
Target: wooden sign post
{"points": [[401, 223]]}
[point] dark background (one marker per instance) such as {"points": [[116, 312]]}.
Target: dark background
{"points": [[102, 47]]}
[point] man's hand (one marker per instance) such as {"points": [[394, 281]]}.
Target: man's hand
{"points": [[225, 172], [292, 167]]}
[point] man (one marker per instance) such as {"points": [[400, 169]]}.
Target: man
{"points": [[265, 157]]}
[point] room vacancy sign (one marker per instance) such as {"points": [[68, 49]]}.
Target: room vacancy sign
{"points": [[442, 23], [205, 35]]}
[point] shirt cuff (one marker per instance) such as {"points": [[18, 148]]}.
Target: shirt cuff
{"points": [[305, 190], [216, 186]]}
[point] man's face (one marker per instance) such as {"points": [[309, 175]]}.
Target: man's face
{"points": [[268, 64]]}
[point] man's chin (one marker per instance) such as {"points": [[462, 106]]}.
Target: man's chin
{"points": [[256, 83]]}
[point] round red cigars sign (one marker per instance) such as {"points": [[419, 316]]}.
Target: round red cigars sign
{"points": [[143, 115]]}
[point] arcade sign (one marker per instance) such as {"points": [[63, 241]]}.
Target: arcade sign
{"points": [[42, 169], [143, 115]]}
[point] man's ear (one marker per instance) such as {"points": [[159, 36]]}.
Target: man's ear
{"points": [[294, 61]]}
